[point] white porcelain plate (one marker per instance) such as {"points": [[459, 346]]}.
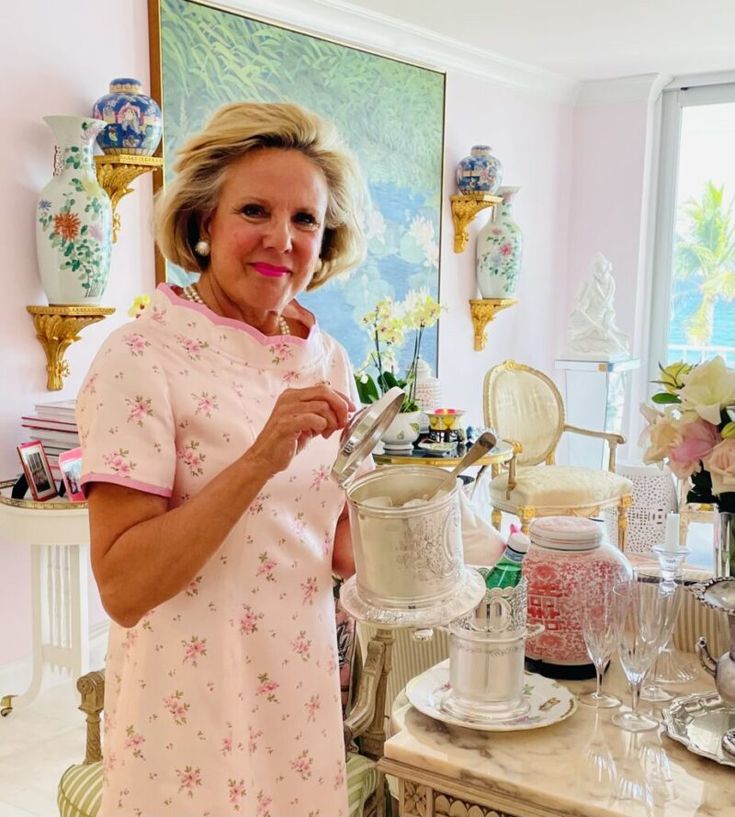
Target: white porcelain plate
{"points": [[549, 701]]}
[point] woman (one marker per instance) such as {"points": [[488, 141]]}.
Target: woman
{"points": [[209, 427]]}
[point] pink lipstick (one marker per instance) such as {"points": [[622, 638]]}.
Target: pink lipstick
{"points": [[270, 270]]}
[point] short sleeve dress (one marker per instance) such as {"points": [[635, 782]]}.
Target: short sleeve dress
{"points": [[224, 700]]}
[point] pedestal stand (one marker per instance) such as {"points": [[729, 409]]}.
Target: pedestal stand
{"points": [[595, 398], [58, 535]]}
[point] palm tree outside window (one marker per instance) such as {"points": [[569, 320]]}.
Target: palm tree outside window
{"points": [[693, 303]]}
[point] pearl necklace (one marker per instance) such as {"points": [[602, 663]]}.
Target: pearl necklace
{"points": [[192, 294]]}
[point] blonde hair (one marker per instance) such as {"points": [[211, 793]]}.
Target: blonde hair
{"points": [[232, 132]]}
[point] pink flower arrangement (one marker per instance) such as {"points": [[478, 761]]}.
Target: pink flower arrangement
{"points": [[694, 431]]}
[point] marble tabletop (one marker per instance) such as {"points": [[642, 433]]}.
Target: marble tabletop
{"points": [[581, 767]]}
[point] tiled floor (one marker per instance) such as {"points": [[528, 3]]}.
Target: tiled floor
{"points": [[36, 745]]}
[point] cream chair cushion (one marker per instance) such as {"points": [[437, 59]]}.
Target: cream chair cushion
{"points": [[560, 487]]}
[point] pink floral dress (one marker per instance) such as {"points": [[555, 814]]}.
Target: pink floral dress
{"points": [[224, 700]]}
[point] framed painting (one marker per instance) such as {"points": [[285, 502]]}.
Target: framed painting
{"points": [[390, 114]]}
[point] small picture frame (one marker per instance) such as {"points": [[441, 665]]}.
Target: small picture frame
{"points": [[70, 465], [37, 470]]}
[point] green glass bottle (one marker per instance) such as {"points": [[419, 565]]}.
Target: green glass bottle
{"points": [[507, 570]]}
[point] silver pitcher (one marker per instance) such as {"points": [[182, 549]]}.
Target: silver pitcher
{"points": [[719, 594], [486, 654]]}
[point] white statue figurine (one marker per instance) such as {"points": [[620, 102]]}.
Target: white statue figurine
{"points": [[592, 332]]}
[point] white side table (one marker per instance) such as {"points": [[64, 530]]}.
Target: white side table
{"points": [[58, 535], [595, 398], [654, 497]]}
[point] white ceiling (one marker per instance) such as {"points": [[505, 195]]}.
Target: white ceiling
{"points": [[580, 39]]}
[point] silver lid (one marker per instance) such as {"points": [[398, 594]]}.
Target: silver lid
{"points": [[362, 433]]}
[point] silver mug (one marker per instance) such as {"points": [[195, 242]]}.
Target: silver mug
{"points": [[486, 657]]}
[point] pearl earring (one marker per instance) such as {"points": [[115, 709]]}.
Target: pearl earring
{"points": [[202, 247]]}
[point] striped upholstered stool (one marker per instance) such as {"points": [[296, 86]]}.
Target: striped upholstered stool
{"points": [[80, 789]]}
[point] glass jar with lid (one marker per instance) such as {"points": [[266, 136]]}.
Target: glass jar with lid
{"points": [[566, 554]]}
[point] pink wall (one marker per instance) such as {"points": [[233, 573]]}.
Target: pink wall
{"points": [[56, 58], [77, 49], [533, 139], [607, 196], [608, 206]]}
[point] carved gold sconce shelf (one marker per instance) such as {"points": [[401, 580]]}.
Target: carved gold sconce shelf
{"points": [[57, 327], [464, 208], [483, 311], [116, 172]]}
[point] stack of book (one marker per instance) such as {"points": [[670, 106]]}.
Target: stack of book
{"points": [[55, 426]]}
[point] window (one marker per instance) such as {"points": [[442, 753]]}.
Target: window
{"points": [[693, 287], [693, 304]]}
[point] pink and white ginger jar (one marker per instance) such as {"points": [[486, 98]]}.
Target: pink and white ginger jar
{"points": [[566, 554]]}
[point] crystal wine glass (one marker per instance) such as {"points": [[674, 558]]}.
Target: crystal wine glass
{"points": [[631, 782], [602, 612], [647, 606], [600, 767]]}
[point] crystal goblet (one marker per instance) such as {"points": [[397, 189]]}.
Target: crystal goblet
{"points": [[648, 606], [602, 612]]}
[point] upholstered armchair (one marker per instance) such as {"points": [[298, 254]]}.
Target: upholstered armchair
{"points": [[80, 788], [525, 407]]}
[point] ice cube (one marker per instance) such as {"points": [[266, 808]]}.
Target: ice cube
{"points": [[378, 502], [414, 503]]}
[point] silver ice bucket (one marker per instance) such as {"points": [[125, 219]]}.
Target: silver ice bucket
{"points": [[486, 655], [409, 562], [405, 556]]}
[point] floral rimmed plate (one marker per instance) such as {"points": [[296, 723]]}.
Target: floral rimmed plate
{"points": [[549, 702], [437, 448]]}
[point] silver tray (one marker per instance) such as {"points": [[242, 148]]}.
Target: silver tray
{"points": [[699, 721]]}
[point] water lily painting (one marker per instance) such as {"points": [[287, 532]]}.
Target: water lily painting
{"points": [[390, 113]]}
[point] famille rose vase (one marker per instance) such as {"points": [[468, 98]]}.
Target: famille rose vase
{"points": [[498, 256], [567, 554], [74, 218]]}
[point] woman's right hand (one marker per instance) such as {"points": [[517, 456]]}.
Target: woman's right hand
{"points": [[299, 415]]}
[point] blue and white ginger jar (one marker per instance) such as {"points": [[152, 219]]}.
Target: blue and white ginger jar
{"points": [[480, 172], [134, 122]]}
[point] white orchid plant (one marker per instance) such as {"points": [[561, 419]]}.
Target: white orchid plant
{"points": [[694, 431], [388, 324]]}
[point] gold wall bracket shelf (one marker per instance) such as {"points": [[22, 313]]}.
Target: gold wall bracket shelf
{"points": [[483, 311], [116, 172], [464, 208], [57, 327]]}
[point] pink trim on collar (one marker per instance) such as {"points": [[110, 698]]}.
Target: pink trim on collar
{"points": [[213, 317]]}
